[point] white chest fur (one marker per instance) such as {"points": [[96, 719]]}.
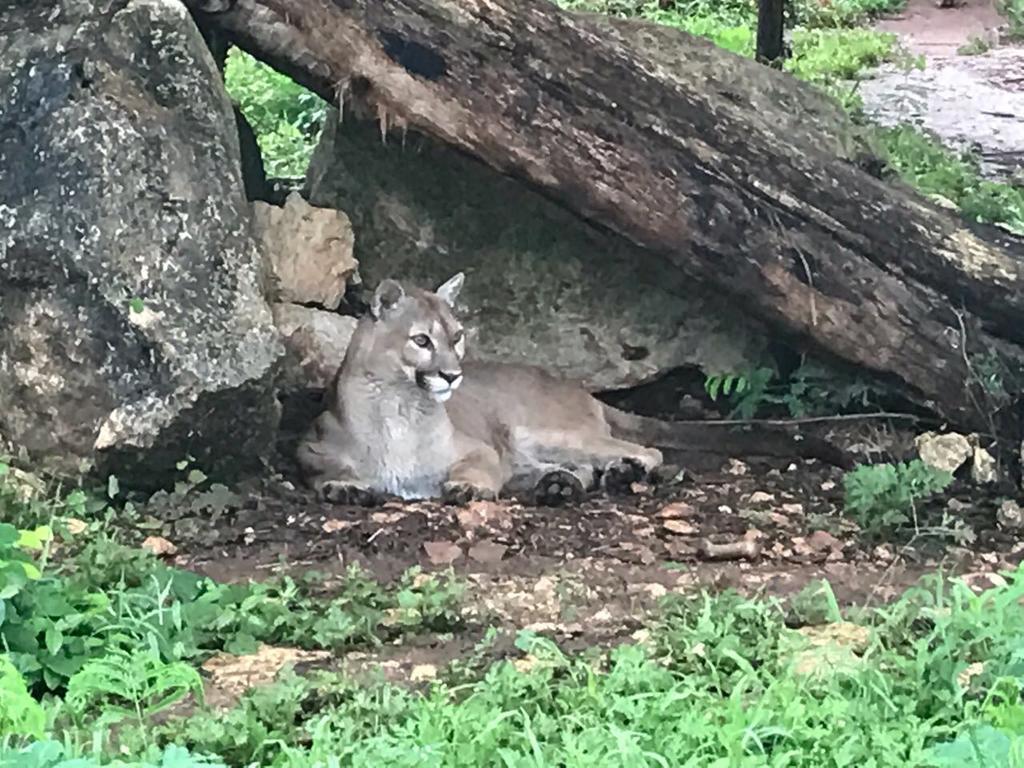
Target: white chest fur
{"points": [[402, 448]]}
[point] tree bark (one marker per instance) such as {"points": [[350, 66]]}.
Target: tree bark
{"points": [[770, 17], [747, 180]]}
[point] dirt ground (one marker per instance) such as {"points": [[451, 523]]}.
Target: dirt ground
{"points": [[588, 575], [932, 30]]}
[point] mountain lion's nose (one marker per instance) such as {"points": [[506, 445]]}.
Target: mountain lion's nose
{"points": [[449, 376]]}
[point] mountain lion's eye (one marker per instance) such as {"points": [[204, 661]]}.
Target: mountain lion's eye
{"points": [[421, 340]]}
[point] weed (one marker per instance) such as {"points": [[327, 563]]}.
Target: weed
{"points": [[20, 714], [1013, 12], [884, 496], [975, 46]]}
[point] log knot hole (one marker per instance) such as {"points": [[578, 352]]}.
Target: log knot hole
{"points": [[414, 57]]}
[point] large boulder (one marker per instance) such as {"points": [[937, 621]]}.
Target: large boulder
{"points": [[542, 286], [133, 326]]}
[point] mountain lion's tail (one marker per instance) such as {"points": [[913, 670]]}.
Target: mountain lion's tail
{"points": [[726, 440]]}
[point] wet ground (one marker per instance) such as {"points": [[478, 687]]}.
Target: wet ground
{"points": [[970, 93]]}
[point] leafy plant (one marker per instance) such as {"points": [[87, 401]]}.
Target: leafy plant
{"points": [[122, 685], [20, 714], [1013, 12], [883, 496], [285, 117]]}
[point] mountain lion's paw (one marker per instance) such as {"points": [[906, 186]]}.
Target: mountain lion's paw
{"points": [[348, 494], [558, 488], [459, 494], [619, 476]]}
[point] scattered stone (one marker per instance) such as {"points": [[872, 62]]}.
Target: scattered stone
{"points": [[828, 485], [725, 509], [793, 508], [235, 674], [956, 506], [423, 673], [159, 546], [970, 672], [946, 452], [75, 526], [760, 497], [487, 552], [736, 467], [981, 581], [733, 550], [680, 527], [676, 510], [386, 518], [333, 525], [984, 469], [1010, 515], [884, 553], [308, 251], [442, 552], [315, 342], [820, 541], [481, 514]]}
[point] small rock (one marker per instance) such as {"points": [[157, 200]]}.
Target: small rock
{"points": [[679, 527], [760, 497], [487, 552], [676, 510], [725, 509], [828, 485], [159, 546], [983, 469], [309, 250], [969, 673], [656, 591], [820, 541], [386, 518], [479, 514], [76, 526], [422, 673], [883, 553], [333, 526], [442, 552], [736, 467], [792, 509], [946, 452], [982, 581], [1010, 515], [956, 506]]}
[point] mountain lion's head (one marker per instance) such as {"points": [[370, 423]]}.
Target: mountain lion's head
{"points": [[418, 331]]}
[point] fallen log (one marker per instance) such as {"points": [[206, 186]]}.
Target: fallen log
{"points": [[749, 181]]}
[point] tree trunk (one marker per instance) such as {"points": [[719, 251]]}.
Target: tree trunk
{"points": [[770, 17], [748, 181]]}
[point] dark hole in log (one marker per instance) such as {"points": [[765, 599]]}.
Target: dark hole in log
{"points": [[412, 56]]}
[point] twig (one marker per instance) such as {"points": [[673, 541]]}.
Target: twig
{"points": [[803, 420]]}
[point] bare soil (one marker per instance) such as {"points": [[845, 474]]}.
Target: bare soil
{"points": [[929, 29]]}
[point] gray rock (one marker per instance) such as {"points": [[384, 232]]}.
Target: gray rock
{"points": [[133, 329], [542, 286], [316, 341]]}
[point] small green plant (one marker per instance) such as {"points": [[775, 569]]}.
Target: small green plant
{"points": [[130, 685], [975, 46], [884, 496], [20, 714], [1013, 12]]}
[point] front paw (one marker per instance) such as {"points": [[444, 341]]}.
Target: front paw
{"points": [[558, 488], [459, 494], [350, 494]]}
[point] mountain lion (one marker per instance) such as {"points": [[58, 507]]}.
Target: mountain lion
{"points": [[408, 417]]}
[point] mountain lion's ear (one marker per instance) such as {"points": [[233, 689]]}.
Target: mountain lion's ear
{"points": [[385, 298], [450, 290]]}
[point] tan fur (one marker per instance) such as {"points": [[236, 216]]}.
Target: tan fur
{"points": [[394, 424]]}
